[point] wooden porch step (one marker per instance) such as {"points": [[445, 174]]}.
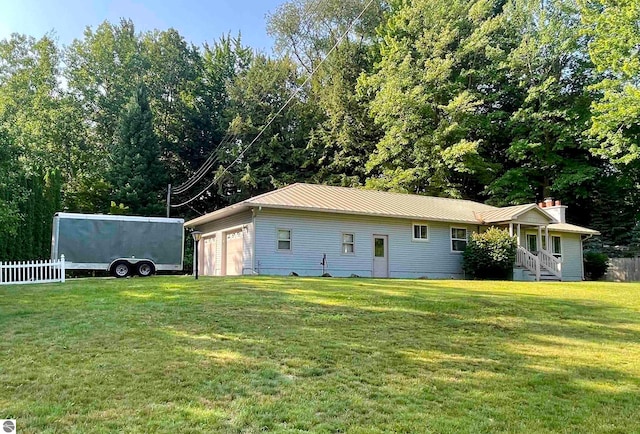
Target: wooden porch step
{"points": [[544, 275], [547, 277]]}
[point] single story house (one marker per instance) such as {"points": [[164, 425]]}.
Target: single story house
{"points": [[310, 229]]}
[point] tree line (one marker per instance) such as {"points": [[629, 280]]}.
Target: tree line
{"points": [[504, 102]]}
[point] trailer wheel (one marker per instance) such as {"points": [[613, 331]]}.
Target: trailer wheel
{"points": [[121, 269], [145, 269]]}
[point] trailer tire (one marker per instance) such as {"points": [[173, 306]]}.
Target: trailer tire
{"points": [[121, 269], [145, 269]]}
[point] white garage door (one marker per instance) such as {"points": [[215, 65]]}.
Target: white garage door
{"points": [[234, 253], [208, 256]]}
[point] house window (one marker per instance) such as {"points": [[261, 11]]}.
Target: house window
{"points": [[458, 239], [420, 232], [284, 239], [348, 243], [556, 246], [378, 248]]}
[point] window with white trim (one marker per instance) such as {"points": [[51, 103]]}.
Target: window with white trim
{"points": [[284, 240], [348, 243], [420, 232], [458, 239], [556, 246]]}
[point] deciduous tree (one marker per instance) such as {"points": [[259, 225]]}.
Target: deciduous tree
{"points": [[614, 31], [136, 175], [432, 96]]}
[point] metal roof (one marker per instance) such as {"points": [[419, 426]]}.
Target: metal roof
{"points": [[345, 200], [566, 227], [509, 213]]}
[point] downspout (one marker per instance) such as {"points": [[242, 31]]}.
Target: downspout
{"points": [[253, 240]]}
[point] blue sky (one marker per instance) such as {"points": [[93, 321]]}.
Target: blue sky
{"points": [[196, 20]]}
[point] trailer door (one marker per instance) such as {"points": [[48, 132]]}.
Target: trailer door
{"points": [[234, 247]]}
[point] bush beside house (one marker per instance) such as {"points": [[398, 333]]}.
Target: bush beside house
{"points": [[595, 265], [490, 255]]}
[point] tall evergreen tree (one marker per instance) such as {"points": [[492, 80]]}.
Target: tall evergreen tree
{"points": [[137, 176], [10, 191]]}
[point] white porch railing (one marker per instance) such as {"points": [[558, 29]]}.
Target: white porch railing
{"points": [[528, 260], [534, 263], [550, 263], [16, 272]]}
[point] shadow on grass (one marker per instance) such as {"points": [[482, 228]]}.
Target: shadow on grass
{"points": [[530, 348], [289, 355]]}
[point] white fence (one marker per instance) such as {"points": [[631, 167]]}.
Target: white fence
{"points": [[13, 273]]}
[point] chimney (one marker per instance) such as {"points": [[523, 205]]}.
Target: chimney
{"points": [[548, 202], [557, 211], [541, 204]]}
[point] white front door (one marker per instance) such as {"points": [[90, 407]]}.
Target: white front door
{"points": [[380, 256]]}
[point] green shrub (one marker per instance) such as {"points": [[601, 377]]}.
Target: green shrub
{"points": [[490, 255], [595, 265]]}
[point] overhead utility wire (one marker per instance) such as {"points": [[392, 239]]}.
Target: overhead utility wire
{"points": [[205, 168], [293, 95], [202, 169]]}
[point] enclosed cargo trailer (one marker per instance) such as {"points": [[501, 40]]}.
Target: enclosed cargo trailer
{"points": [[121, 245]]}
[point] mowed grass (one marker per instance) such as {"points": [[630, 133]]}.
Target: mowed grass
{"points": [[260, 354]]}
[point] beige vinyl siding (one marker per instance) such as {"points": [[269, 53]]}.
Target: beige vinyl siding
{"points": [[314, 234], [220, 227]]}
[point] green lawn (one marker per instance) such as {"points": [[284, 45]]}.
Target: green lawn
{"points": [[170, 354]]}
